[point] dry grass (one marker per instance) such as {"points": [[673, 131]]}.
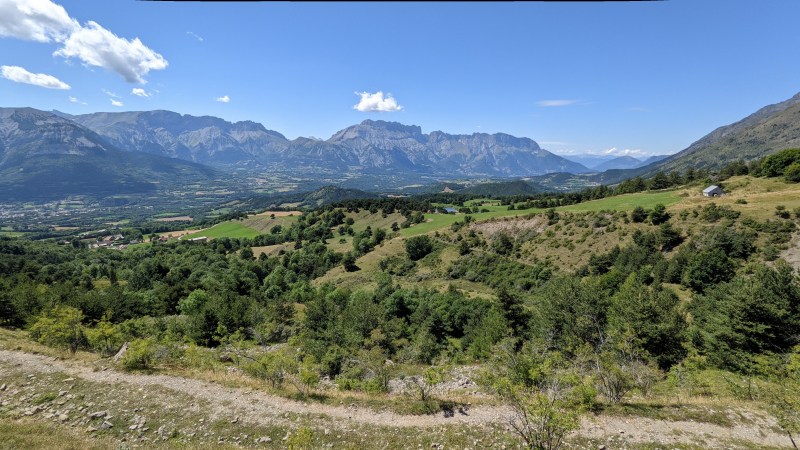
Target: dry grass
{"points": [[174, 219], [280, 213], [29, 434], [272, 250]]}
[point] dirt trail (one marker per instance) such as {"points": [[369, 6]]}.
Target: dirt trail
{"points": [[260, 408]]}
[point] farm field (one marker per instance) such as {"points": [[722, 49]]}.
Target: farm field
{"points": [[226, 229]]}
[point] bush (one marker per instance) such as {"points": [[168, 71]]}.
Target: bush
{"points": [[792, 173], [659, 214], [141, 355], [418, 247], [61, 327], [638, 215], [105, 338]]}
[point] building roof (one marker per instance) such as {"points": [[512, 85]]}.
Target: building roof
{"points": [[711, 188]]}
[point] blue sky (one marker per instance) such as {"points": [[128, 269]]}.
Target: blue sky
{"points": [[642, 78]]}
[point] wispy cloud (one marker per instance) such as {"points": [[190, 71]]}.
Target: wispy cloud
{"points": [[20, 75], [376, 102], [116, 102], [224, 99], [109, 93], [635, 152], [91, 44], [195, 35], [139, 92], [558, 102], [554, 143], [72, 99]]}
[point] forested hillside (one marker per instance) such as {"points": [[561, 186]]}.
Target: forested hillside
{"points": [[569, 308]]}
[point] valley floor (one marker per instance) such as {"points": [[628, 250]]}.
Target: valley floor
{"points": [[103, 408]]}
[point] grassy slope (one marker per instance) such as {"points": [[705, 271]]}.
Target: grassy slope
{"points": [[263, 223], [568, 246], [226, 229], [619, 203]]}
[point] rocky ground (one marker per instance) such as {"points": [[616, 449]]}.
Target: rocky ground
{"points": [[145, 410]]}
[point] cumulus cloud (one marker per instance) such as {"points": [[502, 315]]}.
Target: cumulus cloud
{"points": [[224, 99], [196, 36], [376, 102], [139, 92], [20, 75], [115, 102], [96, 46], [35, 20], [559, 102], [91, 44]]}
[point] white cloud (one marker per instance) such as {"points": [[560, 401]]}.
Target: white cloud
{"points": [[35, 20], [560, 102], [96, 46], [196, 36], [93, 45], [116, 102], [73, 99], [635, 152], [224, 99], [20, 75], [109, 93], [376, 102], [140, 92]]}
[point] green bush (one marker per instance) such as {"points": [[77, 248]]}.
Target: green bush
{"points": [[61, 327], [418, 247], [105, 338], [792, 173], [141, 355]]}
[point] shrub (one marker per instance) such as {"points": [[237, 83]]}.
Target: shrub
{"points": [[61, 327], [105, 338], [638, 215], [659, 214], [418, 247], [792, 173], [141, 355]]}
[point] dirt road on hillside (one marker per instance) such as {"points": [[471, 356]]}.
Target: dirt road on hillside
{"points": [[260, 408]]}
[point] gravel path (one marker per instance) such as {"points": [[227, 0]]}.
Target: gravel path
{"points": [[260, 408]]}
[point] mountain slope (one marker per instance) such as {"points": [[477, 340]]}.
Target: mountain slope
{"points": [[768, 130], [45, 156]]}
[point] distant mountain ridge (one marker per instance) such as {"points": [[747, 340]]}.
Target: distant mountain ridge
{"points": [[372, 145], [202, 139], [45, 156], [600, 163]]}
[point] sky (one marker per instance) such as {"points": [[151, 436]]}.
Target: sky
{"points": [[637, 78]]}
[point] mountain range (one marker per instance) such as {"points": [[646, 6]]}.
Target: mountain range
{"points": [[371, 146], [44, 156], [54, 155]]}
